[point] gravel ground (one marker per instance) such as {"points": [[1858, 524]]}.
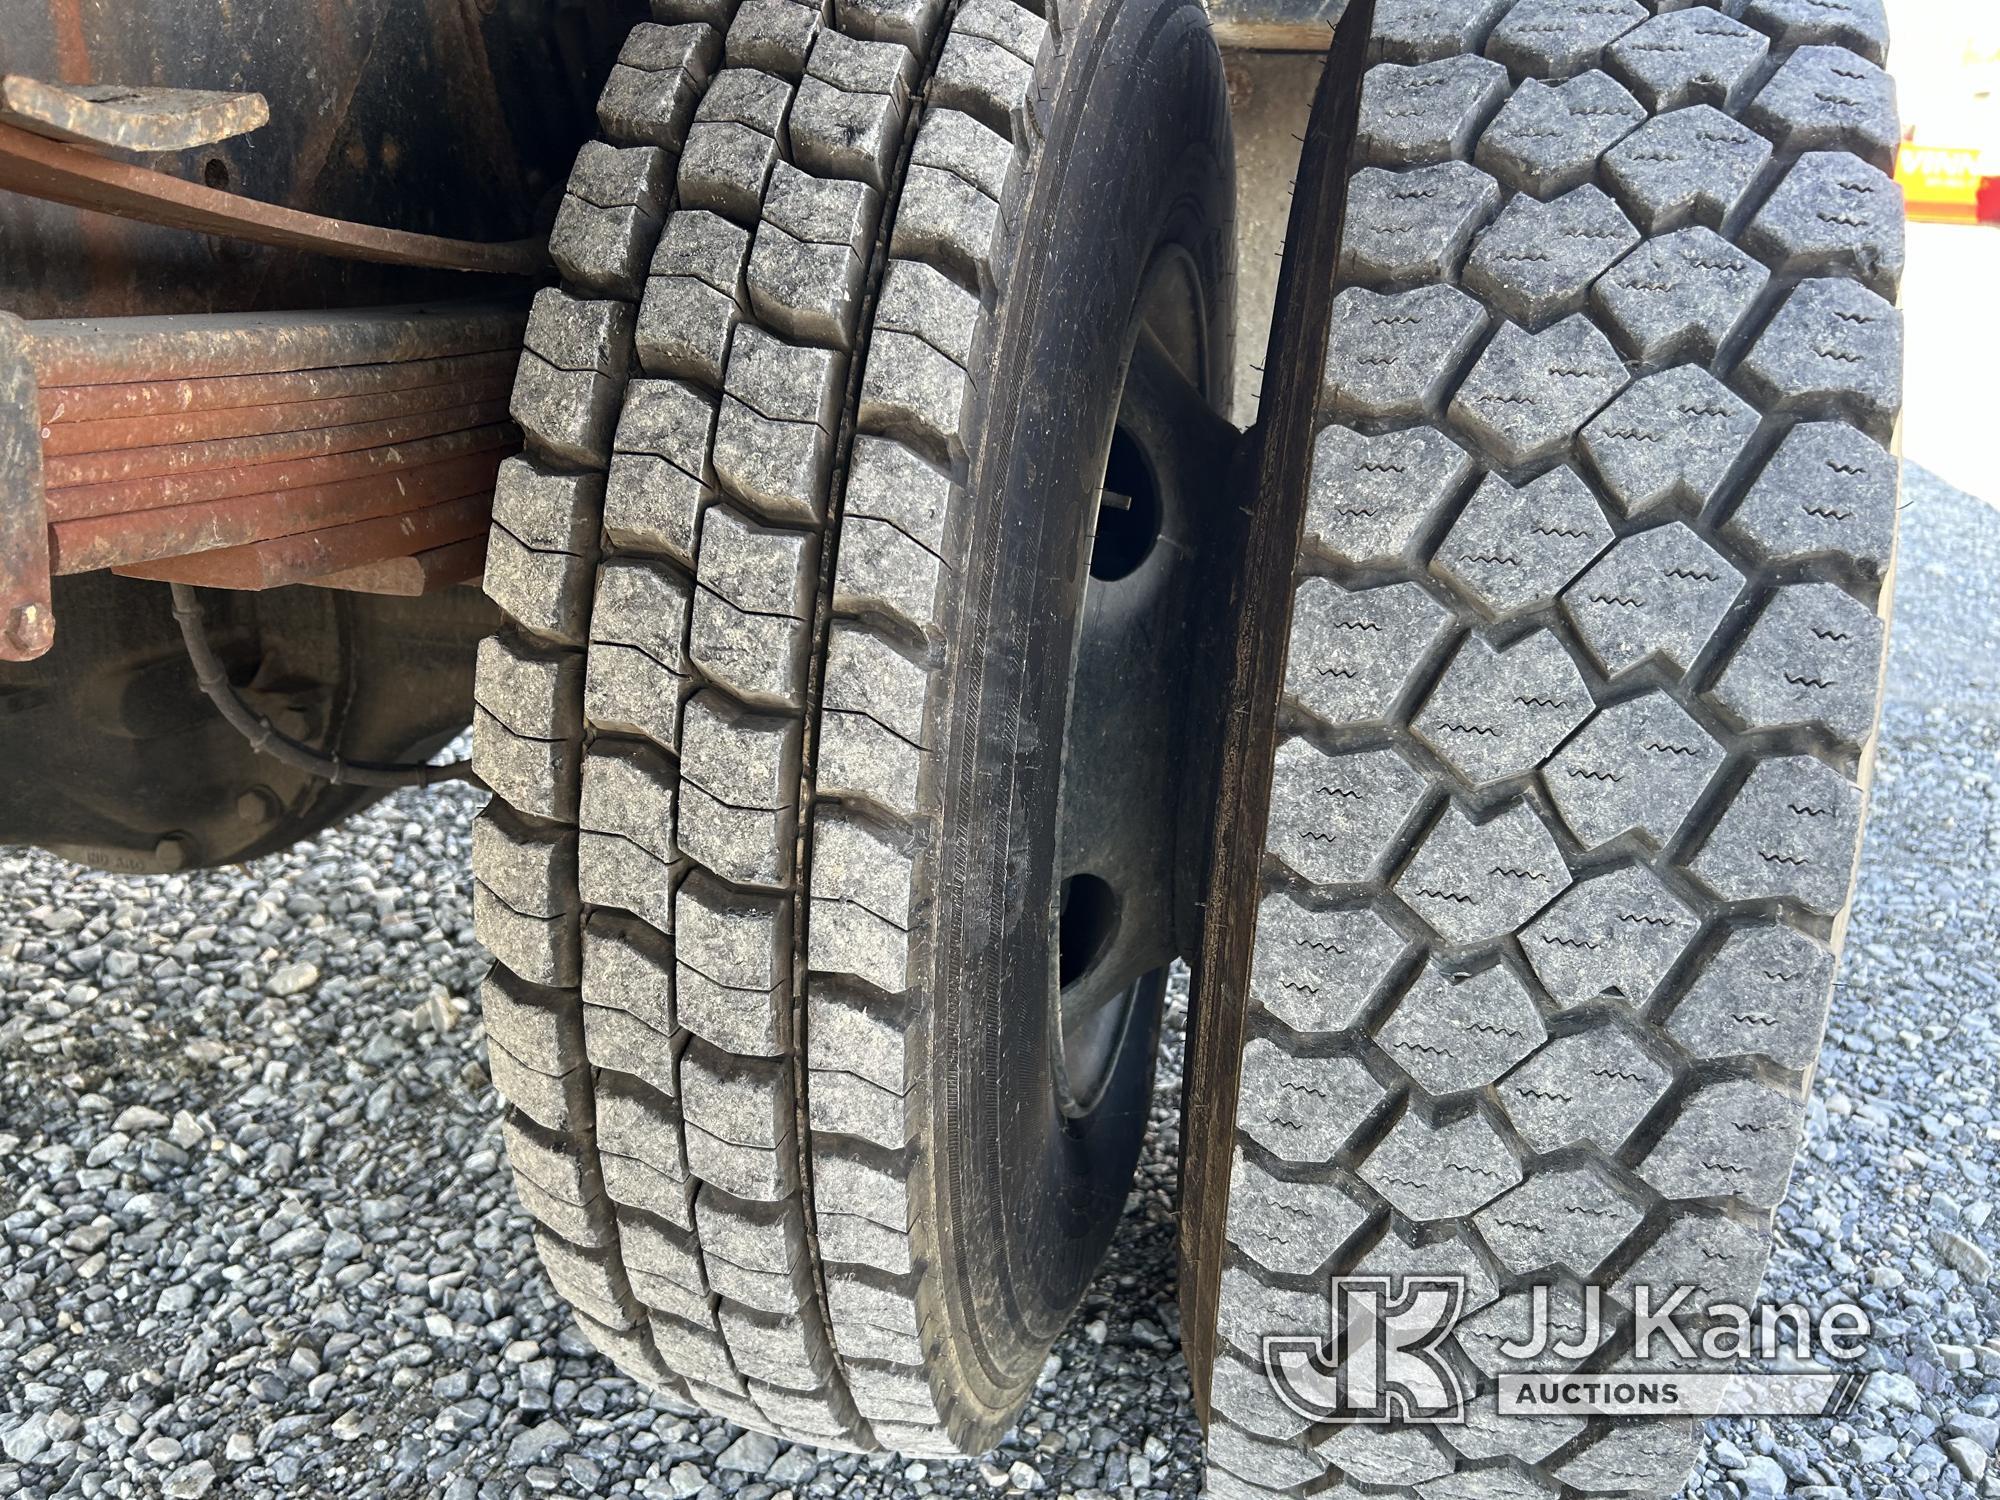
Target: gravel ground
{"points": [[258, 1238]]}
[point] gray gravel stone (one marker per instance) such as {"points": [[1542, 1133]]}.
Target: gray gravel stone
{"points": [[192, 1481], [1760, 1475], [272, 1129], [752, 1453], [1969, 1457]]}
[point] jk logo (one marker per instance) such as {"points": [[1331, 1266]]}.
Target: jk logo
{"points": [[1379, 1361]]}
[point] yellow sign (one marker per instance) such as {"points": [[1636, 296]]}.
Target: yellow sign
{"points": [[1941, 184]]}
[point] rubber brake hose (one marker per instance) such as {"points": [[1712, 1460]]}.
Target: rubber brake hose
{"points": [[265, 739]]}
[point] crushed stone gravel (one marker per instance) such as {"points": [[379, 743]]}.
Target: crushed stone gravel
{"points": [[257, 1238]]}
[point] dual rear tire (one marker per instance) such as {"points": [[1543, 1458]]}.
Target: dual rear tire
{"points": [[1596, 518], [824, 1111], [826, 1058]]}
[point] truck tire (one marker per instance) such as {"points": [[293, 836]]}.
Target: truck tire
{"points": [[795, 568], [1569, 757]]}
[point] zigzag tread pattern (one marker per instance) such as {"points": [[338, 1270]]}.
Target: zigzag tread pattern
{"points": [[788, 233], [1561, 1042]]}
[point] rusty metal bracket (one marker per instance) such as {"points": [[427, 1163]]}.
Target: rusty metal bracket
{"points": [[1275, 25], [130, 119], [279, 560], [420, 573], [250, 450], [65, 173], [27, 620]]}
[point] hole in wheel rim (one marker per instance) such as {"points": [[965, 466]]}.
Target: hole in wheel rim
{"points": [[1128, 514], [1110, 889], [1085, 921]]}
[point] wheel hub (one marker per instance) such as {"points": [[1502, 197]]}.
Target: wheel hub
{"points": [[1124, 751]]}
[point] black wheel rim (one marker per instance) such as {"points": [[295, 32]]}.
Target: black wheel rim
{"points": [[1113, 911]]}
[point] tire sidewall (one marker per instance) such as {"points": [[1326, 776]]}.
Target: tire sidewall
{"points": [[1135, 167]]}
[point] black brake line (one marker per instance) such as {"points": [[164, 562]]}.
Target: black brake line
{"points": [[266, 739]]}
